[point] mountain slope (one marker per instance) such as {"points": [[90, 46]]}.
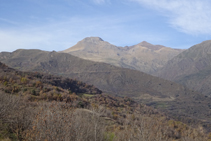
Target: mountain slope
{"points": [[107, 77], [191, 68], [24, 80], [144, 56], [170, 97]]}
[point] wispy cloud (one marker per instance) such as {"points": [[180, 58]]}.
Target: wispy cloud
{"points": [[64, 34], [189, 16], [8, 21], [57, 35]]}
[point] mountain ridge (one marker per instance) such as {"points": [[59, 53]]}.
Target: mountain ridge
{"points": [[190, 68], [149, 46], [144, 56]]}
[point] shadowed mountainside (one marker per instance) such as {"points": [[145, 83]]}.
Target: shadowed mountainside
{"points": [[168, 96], [191, 68], [144, 56], [109, 78], [32, 79]]}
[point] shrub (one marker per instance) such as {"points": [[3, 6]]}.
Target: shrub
{"points": [[5, 83], [34, 92]]}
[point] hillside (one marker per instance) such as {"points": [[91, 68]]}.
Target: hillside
{"points": [[191, 68], [144, 56], [37, 83], [108, 78], [167, 96], [35, 110]]}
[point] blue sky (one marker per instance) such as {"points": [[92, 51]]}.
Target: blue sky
{"points": [[59, 24]]}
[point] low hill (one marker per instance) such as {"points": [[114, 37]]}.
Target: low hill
{"points": [[144, 56], [191, 68], [170, 97], [17, 81]]}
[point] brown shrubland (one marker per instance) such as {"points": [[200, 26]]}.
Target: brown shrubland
{"points": [[34, 109]]}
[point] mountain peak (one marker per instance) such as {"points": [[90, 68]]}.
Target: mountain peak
{"points": [[150, 46], [145, 43], [89, 43], [92, 39]]}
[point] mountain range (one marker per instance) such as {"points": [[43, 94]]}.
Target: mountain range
{"points": [[191, 67], [144, 56]]}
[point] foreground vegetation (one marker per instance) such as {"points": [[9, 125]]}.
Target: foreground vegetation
{"points": [[34, 107], [108, 118]]}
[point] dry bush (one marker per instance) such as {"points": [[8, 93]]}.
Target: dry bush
{"points": [[88, 126], [57, 122], [153, 129], [8, 104], [15, 114], [144, 129], [137, 126], [52, 123]]}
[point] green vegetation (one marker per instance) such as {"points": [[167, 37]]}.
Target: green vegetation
{"points": [[161, 105], [110, 136], [88, 95]]}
